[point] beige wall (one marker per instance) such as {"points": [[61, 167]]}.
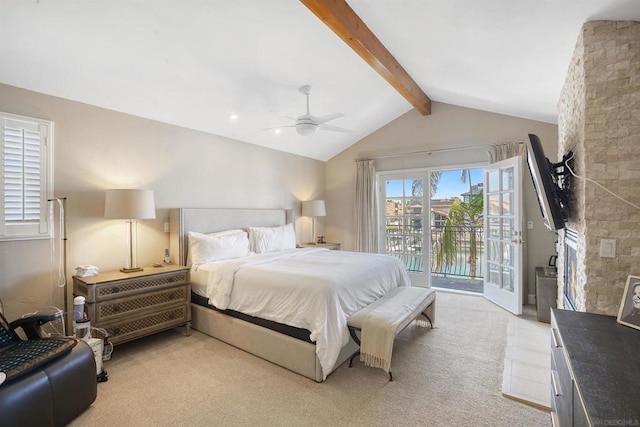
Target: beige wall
{"points": [[448, 126], [97, 149]]}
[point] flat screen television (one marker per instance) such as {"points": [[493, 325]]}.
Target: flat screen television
{"points": [[550, 195]]}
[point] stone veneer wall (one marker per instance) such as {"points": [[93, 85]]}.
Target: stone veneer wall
{"points": [[599, 119]]}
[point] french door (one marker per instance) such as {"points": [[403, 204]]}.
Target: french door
{"points": [[503, 234], [405, 219]]}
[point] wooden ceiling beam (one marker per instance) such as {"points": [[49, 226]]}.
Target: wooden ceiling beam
{"points": [[343, 20]]}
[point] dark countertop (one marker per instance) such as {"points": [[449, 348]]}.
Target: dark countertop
{"points": [[604, 357]]}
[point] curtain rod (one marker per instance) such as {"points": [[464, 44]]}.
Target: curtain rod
{"points": [[435, 150]]}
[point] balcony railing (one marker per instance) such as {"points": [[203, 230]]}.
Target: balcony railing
{"points": [[408, 247]]}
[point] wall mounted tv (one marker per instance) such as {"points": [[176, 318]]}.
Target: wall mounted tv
{"points": [[550, 182]]}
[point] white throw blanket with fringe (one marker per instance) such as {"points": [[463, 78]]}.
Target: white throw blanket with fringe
{"points": [[379, 330]]}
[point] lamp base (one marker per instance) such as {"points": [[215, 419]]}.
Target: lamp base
{"points": [[131, 270]]}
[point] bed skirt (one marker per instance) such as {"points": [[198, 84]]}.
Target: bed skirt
{"points": [[292, 353]]}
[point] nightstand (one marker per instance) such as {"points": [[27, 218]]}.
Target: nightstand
{"points": [[331, 246], [132, 305]]}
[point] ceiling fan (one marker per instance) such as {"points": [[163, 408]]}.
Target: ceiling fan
{"points": [[307, 124]]}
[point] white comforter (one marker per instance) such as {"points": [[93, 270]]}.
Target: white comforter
{"points": [[314, 289]]}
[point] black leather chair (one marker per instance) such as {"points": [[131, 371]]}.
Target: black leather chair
{"points": [[48, 381]]}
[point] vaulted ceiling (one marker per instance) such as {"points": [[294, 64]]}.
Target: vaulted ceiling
{"points": [[227, 66]]}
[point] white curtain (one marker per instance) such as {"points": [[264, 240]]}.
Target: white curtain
{"points": [[504, 151], [366, 223]]}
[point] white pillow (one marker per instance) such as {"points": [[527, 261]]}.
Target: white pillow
{"points": [[207, 248], [272, 239], [226, 233]]}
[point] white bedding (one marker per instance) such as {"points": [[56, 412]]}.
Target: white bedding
{"points": [[315, 289]]}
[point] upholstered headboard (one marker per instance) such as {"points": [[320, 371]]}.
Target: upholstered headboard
{"points": [[210, 220]]}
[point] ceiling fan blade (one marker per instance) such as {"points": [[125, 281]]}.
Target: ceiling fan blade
{"points": [[284, 115], [335, 129], [325, 119], [279, 127]]}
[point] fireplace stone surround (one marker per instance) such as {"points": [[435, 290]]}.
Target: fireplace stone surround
{"points": [[599, 119]]}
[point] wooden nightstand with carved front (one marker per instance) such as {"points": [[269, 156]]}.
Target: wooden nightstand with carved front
{"points": [[133, 305]]}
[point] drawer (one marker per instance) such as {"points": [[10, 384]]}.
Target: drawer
{"points": [[137, 304], [132, 328], [561, 382], [126, 287]]}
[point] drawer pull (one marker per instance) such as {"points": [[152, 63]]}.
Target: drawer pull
{"points": [[556, 340], [555, 384], [115, 289], [116, 308]]}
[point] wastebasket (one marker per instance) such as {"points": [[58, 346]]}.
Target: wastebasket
{"points": [[546, 292]]}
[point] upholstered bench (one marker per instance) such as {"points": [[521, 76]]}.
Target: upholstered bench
{"points": [[382, 320]]}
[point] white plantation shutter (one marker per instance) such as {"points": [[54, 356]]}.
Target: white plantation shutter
{"points": [[25, 177]]}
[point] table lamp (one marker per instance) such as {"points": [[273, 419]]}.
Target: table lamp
{"points": [[130, 205], [314, 208]]}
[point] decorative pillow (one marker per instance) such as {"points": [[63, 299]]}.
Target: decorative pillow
{"points": [[272, 239], [207, 248]]}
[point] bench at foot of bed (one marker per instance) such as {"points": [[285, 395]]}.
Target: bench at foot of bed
{"points": [[382, 320]]}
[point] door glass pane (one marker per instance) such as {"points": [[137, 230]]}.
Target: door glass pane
{"points": [[507, 279], [394, 225], [394, 207], [494, 182], [507, 203], [494, 251], [507, 255], [413, 245], [494, 273], [413, 224], [494, 228], [414, 187], [393, 188], [414, 206], [494, 204], [507, 179], [507, 229]]}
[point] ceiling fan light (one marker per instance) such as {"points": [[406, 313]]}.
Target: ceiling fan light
{"points": [[306, 129]]}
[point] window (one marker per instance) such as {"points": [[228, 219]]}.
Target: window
{"points": [[26, 166]]}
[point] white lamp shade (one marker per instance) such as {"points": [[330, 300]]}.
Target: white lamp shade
{"points": [[314, 208], [129, 204]]}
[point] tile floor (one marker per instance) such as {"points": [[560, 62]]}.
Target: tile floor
{"points": [[527, 362]]}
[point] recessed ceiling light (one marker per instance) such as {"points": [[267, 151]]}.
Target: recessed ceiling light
{"points": [[277, 131], [233, 116]]}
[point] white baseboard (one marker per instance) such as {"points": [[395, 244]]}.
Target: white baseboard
{"points": [[531, 299]]}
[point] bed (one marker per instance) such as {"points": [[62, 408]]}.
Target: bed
{"points": [[288, 306]]}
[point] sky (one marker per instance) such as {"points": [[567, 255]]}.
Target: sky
{"points": [[450, 184]]}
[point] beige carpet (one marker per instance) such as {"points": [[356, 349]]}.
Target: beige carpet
{"points": [[448, 376]]}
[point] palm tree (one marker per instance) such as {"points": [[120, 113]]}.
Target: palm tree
{"points": [[465, 217], [417, 185]]}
